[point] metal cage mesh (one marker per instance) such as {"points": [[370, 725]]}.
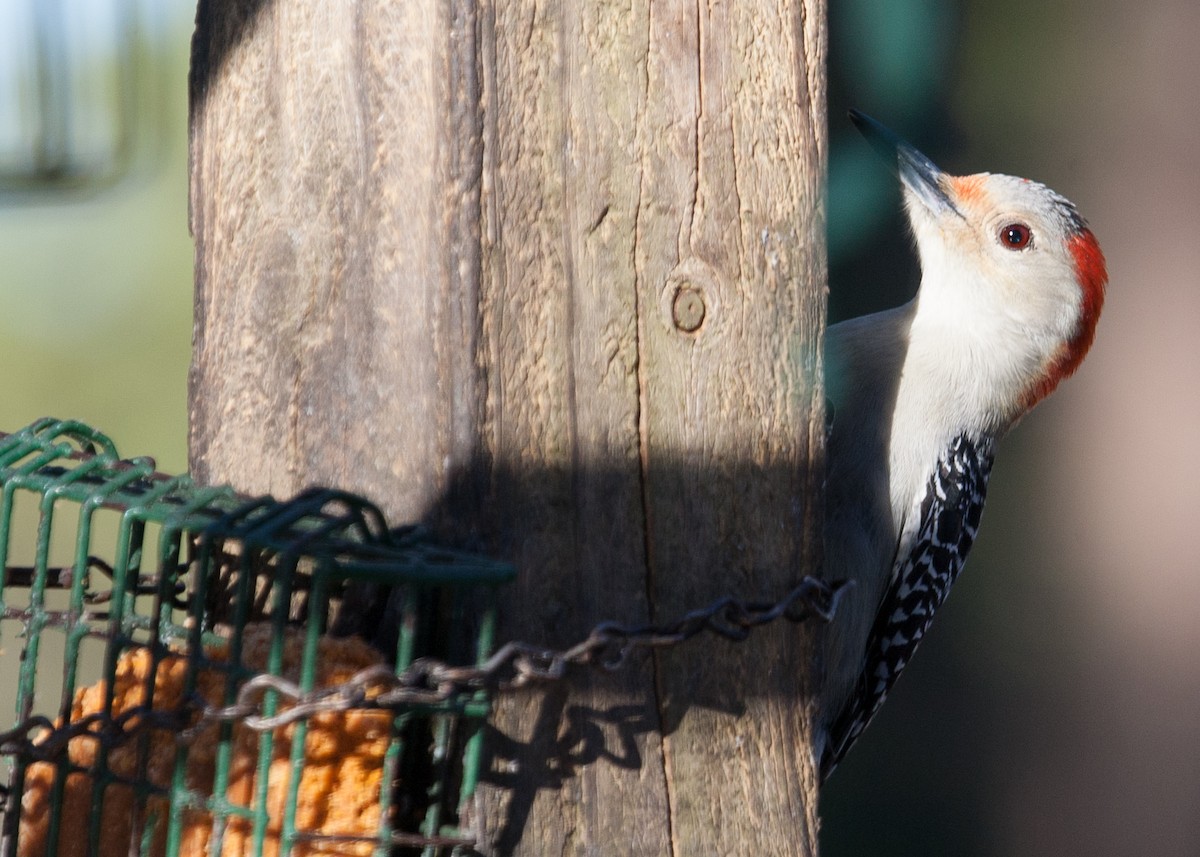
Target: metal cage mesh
{"points": [[189, 670]]}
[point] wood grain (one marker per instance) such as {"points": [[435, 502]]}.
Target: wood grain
{"points": [[551, 278]]}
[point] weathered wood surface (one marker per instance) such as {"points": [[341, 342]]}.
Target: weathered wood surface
{"points": [[551, 277]]}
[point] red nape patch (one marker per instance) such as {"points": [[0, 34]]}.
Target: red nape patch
{"points": [[1092, 275]]}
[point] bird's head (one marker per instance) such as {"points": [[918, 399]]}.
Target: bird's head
{"points": [[1005, 256]]}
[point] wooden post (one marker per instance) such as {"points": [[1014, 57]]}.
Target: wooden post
{"points": [[551, 278]]}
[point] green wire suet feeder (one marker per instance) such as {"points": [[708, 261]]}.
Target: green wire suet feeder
{"points": [[175, 654]]}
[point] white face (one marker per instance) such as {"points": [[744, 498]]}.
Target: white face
{"points": [[1011, 261], [1005, 239], [1000, 249], [994, 247], [1012, 279]]}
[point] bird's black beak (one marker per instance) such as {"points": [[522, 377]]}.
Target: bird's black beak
{"points": [[919, 174]]}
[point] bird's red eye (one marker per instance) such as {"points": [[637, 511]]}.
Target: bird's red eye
{"points": [[1015, 236]]}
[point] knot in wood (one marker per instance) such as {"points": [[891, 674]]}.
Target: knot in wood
{"points": [[688, 309]]}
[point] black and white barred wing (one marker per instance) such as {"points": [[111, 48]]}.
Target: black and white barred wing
{"points": [[948, 520]]}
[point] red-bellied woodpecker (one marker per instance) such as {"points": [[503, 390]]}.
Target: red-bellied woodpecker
{"points": [[1011, 288]]}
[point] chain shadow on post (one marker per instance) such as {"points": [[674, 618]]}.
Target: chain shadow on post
{"points": [[580, 739], [578, 659]]}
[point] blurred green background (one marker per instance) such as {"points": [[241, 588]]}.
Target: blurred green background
{"points": [[1053, 707], [96, 264]]}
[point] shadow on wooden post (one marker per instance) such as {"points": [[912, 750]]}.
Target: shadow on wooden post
{"points": [[552, 280]]}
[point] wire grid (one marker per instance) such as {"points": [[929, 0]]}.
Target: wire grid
{"points": [[127, 560]]}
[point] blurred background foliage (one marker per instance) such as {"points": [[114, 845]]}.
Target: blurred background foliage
{"points": [[95, 256], [1052, 709]]}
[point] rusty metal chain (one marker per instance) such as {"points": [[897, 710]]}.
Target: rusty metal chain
{"points": [[428, 681], [609, 645]]}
